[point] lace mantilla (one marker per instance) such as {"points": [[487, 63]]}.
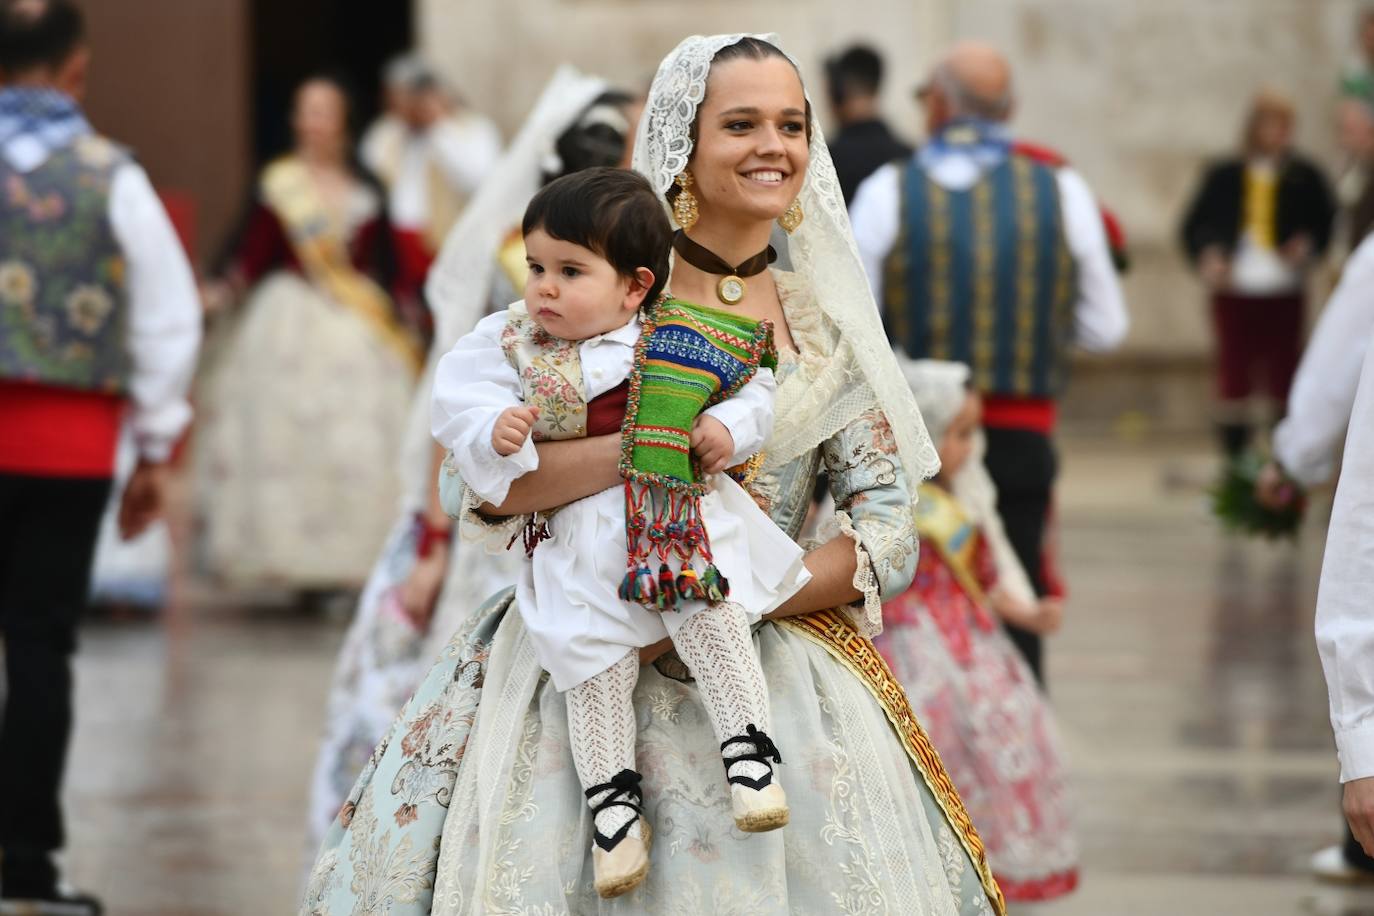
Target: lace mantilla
{"points": [[829, 276]]}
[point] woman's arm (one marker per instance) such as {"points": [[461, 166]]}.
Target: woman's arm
{"points": [[568, 471], [874, 557], [832, 566]]}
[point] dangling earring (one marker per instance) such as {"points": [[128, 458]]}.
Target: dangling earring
{"points": [[792, 217], [685, 204]]}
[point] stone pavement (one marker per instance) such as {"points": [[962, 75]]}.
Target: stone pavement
{"points": [[1186, 679]]}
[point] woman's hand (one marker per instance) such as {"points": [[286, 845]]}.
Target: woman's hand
{"points": [[420, 590]]}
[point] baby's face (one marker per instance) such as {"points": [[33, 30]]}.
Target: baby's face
{"points": [[572, 292]]}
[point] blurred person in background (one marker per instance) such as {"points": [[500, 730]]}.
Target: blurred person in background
{"points": [[425, 584], [98, 314], [1357, 77], [1256, 226], [1355, 184], [967, 295], [853, 81], [431, 153], [306, 395], [967, 683]]}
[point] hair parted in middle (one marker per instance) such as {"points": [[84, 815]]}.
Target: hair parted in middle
{"points": [[611, 212], [747, 48]]}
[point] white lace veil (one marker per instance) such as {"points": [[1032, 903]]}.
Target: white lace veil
{"points": [[459, 287], [861, 370]]}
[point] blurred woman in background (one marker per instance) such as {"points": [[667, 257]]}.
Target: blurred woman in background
{"points": [[1255, 227]]}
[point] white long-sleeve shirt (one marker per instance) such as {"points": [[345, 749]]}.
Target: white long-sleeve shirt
{"points": [[1100, 317], [1323, 391], [164, 319], [1345, 600], [475, 382], [463, 148]]}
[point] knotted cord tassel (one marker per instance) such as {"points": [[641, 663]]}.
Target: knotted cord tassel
{"points": [[667, 591], [688, 585], [645, 591], [717, 586]]}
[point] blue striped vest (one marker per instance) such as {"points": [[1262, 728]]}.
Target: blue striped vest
{"points": [[985, 277]]}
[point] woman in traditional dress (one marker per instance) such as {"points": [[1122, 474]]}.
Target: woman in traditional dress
{"points": [[965, 679], [421, 574], [305, 399], [471, 802]]}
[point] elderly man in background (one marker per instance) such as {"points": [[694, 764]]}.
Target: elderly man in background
{"points": [[431, 153], [982, 254]]}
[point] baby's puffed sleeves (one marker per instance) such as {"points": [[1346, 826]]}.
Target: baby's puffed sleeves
{"points": [[473, 384], [873, 509]]}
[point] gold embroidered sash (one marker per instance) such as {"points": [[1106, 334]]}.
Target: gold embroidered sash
{"points": [[320, 246], [942, 523]]}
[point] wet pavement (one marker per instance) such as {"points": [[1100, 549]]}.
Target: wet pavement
{"points": [[1186, 679]]}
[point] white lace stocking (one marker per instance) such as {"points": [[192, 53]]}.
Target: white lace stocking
{"points": [[601, 729], [716, 645]]}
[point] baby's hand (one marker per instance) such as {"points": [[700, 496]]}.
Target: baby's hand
{"points": [[713, 444], [512, 429]]}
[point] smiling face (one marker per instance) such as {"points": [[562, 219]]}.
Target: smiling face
{"points": [[751, 150], [574, 293]]}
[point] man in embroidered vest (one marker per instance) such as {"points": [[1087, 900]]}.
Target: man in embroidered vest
{"points": [[984, 255], [98, 311]]}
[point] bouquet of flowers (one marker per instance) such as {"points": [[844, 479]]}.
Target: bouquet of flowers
{"points": [[1238, 506]]}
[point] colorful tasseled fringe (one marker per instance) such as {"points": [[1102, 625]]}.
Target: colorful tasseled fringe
{"points": [[671, 529]]}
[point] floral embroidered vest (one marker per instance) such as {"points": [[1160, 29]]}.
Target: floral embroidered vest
{"points": [[550, 377], [62, 292]]}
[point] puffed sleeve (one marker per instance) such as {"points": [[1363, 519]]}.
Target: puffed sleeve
{"points": [[873, 509], [473, 384]]}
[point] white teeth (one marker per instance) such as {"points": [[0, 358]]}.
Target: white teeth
{"points": [[772, 176]]}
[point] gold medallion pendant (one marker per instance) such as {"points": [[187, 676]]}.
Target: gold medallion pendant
{"points": [[730, 289]]}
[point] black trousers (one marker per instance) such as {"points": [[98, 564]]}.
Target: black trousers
{"points": [[48, 530], [1023, 465]]}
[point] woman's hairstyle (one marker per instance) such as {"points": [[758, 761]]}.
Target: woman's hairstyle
{"points": [[747, 48], [597, 138], [1268, 103], [612, 212]]}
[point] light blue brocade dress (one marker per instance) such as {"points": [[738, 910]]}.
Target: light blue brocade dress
{"points": [[471, 804]]}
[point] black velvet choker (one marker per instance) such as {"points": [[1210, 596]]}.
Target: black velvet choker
{"points": [[730, 289]]}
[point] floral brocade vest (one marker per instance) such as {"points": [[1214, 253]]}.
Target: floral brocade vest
{"points": [[62, 289], [550, 377]]}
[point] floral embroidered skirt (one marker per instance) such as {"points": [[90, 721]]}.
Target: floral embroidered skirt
{"points": [[996, 735], [301, 408], [471, 803]]}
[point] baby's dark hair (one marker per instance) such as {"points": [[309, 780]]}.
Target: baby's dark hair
{"points": [[613, 212]]}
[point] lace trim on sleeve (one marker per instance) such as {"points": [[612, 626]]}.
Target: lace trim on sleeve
{"points": [[495, 531], [867, 613]]}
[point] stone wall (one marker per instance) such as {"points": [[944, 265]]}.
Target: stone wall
{"points": [[1137, 93]]}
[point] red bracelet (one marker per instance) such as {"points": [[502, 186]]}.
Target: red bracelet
{"points": [[430, 535]]}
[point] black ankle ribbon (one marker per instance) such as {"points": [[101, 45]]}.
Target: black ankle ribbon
{"points": [[623, 786], [764, 750]]}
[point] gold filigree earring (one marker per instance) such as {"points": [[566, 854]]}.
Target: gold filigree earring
{"points": [[685, 203], [792, 217]]}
